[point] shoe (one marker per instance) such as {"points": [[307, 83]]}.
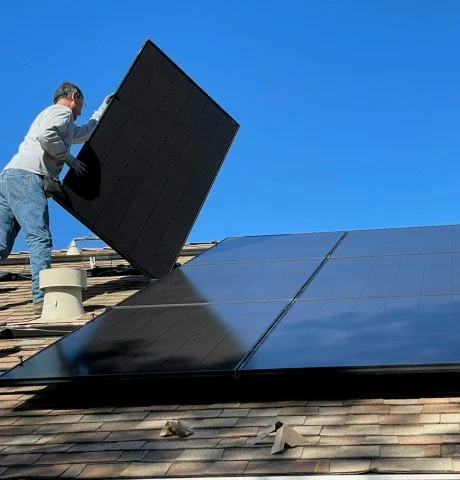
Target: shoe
{"points": [[38, 307]]}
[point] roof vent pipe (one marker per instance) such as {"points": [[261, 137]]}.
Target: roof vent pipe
{"points": [[63, 294], [73, 249]]}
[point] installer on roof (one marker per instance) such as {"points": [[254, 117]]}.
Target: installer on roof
{"points": [[40, 158]]}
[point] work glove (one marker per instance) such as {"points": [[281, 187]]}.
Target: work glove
{"points": [[75, 164], [98, 113], [106, 102]]}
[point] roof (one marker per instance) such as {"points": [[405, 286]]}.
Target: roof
{"points": [[49, 432]]}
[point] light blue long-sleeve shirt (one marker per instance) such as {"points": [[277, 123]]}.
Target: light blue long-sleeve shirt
{"points": [[49, 139]]}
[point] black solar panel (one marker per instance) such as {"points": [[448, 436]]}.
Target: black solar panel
{"points": [[285, 305], [152, 341], [367, 332], [383, 298], [201, 317], [237, 282], [398, 241], [151, 163], [432, 274], [271, 247]]}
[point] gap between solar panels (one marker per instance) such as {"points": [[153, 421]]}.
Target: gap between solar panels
{"points": [[151, 160]]}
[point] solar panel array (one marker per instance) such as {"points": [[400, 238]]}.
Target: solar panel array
{"points": [[151, 163], [203, 317], [280, 303], [384, 298]]}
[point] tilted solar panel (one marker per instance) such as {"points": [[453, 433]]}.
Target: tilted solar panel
{"points": [[151, 162]]}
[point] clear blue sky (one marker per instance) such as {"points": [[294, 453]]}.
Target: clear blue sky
{"points": [[349, 109]]}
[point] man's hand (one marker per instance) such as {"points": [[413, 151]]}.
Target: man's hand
{"points": [[98, 113], [106, 102], [75, 164]]}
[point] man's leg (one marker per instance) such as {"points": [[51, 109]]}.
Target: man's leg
{"points": [[27, 200], [9, 227]]}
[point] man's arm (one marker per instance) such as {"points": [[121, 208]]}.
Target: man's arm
{"points": [[51, 131], [50, 135], [82, 133]]}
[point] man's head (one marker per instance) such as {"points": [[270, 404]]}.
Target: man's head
{"points": [[71, 96]]}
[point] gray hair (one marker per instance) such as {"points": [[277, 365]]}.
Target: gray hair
{"points": [[66, 90]]}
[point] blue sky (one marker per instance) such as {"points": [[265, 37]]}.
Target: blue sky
{"points": [[349, 110]]}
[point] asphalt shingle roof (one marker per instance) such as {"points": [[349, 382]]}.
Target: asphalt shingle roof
{"points": [[47, 431]]}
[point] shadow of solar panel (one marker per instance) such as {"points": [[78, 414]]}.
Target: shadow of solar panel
{"points": [[151, 163], [236, 282]]}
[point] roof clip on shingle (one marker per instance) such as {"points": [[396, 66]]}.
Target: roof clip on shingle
{"points": [[176, 427], [285, 435]]}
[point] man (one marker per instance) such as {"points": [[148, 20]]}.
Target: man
{"points": [[43, 152]]}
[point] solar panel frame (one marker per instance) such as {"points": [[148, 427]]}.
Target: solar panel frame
{"points": [[146, 210]]}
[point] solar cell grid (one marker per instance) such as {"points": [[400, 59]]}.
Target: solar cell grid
{"points": [[151, 163]]}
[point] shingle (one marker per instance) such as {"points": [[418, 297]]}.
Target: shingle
{"points": [[268, 467], [260, 453], [235, 412], [341, 419], [70, 427], [74, 470], [422, 439], [340, 452], [214, 422], [207, 468], [298, 411], [19, 439], [359, 440], [131, 425], [450, 417], [401, 401], [350, 466], [107, 446], [106, 470], [433, 464], [201, 454], [46, 420], [18, 459], [406, 451], [83, 457], [441, 408], [35, 471], [115, 417], [46, 448], [450, 450], [264, 421], [264, 412], [179, 443], [405, 409], [132, 456], [409, 419], [353, 430], [79, 437], [309, 466], [138, 469]]}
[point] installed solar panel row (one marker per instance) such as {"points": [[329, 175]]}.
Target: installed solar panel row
{"points": [[279, 303]]}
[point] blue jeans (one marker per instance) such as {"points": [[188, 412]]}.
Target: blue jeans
{"points": [[23, 204]]}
